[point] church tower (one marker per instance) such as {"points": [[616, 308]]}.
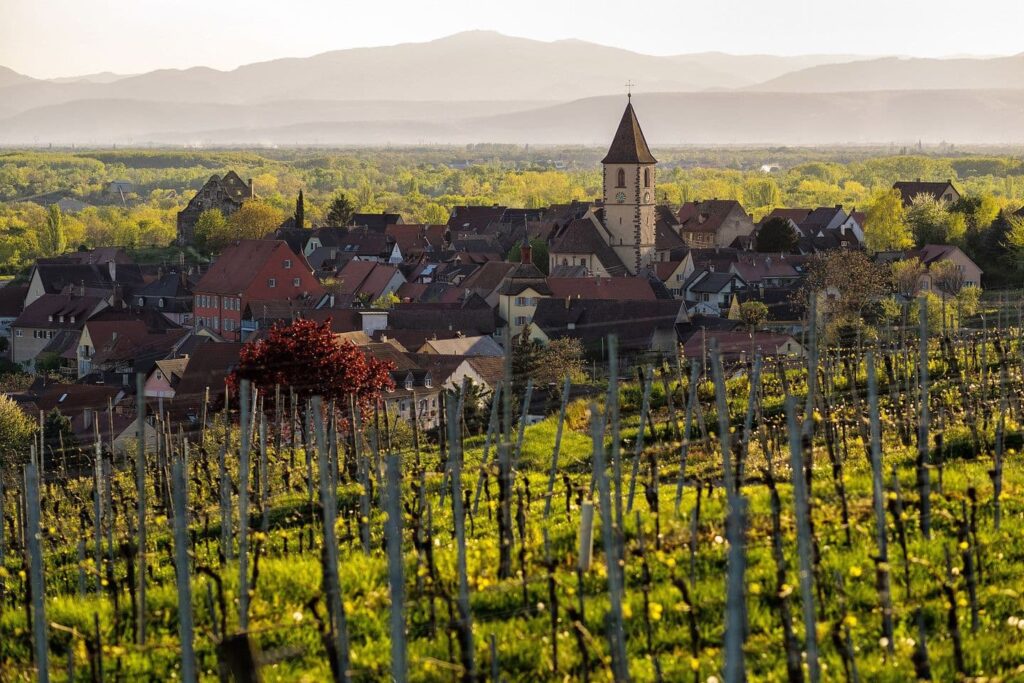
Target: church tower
{"points": [[629, 214]]}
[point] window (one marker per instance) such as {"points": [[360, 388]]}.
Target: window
{"points": [[621, 178], [521, 320], [17, 333], [271, 282], [142, 302], [214, 302], [228, 324], [408, 382], [565, 262], [159, 303], [427, 382], [216, 323], [287, 263], [647, 177], [296, 282]]}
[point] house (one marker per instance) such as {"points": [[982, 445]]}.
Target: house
{"points": [[250, 270], [95, 409], [328, 249], [124, 346], [713, 223], [737, 345], [930, 254], [54, 277], [642, 327], [414, 240], [673, 274], [709, 292], [771, 270], [616, 288], [164, 378], [474, 218], [486, 280], [49, 324], [170, 295], [942, 191], [416, 396], [470, 317], [202, 379], [519, 293], [226, 194], [377, 222], [360, 283], [584, 242]]}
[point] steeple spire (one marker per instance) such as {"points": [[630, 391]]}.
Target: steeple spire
{"points": [[629, 146]]}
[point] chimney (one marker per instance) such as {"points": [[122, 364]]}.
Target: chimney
{"points": [[526, 252], [252, 189]]}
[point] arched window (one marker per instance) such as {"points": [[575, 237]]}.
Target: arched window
{"points": [[622, 178], [647, 177]]}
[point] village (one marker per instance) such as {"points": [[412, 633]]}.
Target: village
{"points": [[443, 302]]}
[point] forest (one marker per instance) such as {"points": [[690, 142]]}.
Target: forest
{"points": [[424, 184]]}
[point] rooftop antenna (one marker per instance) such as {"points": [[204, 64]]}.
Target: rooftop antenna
{"points": [[629, 90]]}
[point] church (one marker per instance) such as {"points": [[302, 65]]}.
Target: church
{"points": [[626, 233]]}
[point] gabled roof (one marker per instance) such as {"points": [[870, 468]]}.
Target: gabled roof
{"points": [[239, 263], [12, 300], [581, 236], [364, 277], [234, 187], [482, 345], [469, 320], [489, 276], [490, 368], [173, 369], [592, 320], [820, 218], [56, 276], [629, 145], [376, 221], [666, 235], [475, 218], [712, 283], [755, 267], [707, 215], [796, 215], [909, 189], [55, 311], [621, 288]]}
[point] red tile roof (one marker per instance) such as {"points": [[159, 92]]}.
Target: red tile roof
{"points": [[239, 264], [618, 288]]}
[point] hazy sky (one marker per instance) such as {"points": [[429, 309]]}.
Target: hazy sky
{"points": [[47, 38]]}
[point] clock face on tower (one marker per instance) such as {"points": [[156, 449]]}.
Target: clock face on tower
{"points": [[620, 197], [647, 197]]}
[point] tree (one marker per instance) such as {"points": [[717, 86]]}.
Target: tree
{"points": [[212, 231], [53, 242], [931, 222], [906, 277], [306, 357], [385, 301], [885, 228], [16, 431], [777, 236], [254, 220], [753, 314], [58, 432], [300, 211], [341, 210], [850, 282], [948, 279]]}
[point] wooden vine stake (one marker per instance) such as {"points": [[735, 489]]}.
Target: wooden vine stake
{"points": [[38, 588], [396, 571], [878, 493], [465, 621], [181, 561]]}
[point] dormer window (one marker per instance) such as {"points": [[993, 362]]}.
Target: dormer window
{"points": [[287, 263], [408, 382], [160, 303], [427, 382], [51, 317], [72, 320], [621, 178]]}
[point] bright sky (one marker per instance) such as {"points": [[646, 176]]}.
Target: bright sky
{"points": [[48, 38]]}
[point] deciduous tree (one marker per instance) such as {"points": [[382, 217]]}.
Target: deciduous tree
{"points": [[254, 220], [885, 228], [16, 430], [306, 356]]}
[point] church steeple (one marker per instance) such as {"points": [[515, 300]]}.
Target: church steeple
{"points": [[629, 185], [629, 146]]}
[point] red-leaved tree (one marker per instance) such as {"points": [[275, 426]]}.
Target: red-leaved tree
{"points": [[305, 357]]}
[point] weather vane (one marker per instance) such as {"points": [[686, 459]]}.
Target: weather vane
{"points": [[629, 90]]}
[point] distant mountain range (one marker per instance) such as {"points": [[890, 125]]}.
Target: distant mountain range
{"points": [[484, 86]]}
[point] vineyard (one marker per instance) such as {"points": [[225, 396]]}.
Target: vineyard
{"points": [[853, 515]]}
